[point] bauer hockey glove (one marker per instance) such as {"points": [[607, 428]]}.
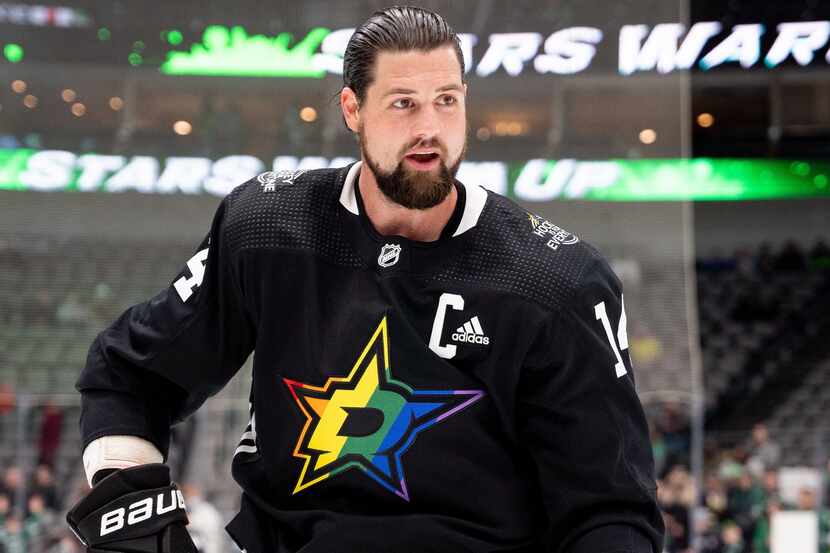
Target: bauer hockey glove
{"points": [[134, 510]]}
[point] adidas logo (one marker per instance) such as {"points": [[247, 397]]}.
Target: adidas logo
{"points": [[471, 333]]}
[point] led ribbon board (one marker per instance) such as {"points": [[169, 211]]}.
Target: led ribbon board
{"points": [[629, 49], [233, 52], [663, 48], [537, 180]]}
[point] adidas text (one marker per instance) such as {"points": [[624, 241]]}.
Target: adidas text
{"points": [[471, 338]]}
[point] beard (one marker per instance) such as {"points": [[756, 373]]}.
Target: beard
{"points": [[414, 189]]}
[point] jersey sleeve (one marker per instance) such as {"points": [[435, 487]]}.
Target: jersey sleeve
{"points": [[585, 428], [161, 359]]}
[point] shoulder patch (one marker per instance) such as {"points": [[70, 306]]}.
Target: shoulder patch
{"points": [[553, 235], [270, 179], [290, 210], [508, 252]]}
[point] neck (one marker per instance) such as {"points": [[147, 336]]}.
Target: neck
{"points": [[392, 219]]}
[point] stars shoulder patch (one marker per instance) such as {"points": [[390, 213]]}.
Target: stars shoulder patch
{"points": [[270, 179]]}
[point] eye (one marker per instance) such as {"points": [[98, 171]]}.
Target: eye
{"points": [[448, 100], [402, 103]]}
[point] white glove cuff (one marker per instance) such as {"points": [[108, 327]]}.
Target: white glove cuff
{"points": [[118, 452]]}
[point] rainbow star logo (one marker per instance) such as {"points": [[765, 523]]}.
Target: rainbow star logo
{"points": [[367, 420]]}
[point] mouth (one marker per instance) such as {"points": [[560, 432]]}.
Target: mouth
{"points": [[423, 161]]}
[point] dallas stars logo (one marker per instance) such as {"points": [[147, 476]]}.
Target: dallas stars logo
{"points": [[367, 419]]}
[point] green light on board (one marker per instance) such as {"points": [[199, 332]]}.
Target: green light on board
{"points": [[135, 59], [138, 45], [104, 34], [820, 181], [801, 168], [175, 37], [233, 52], [13, 52]]}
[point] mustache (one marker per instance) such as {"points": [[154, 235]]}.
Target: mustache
{"points": [[419, 143]]}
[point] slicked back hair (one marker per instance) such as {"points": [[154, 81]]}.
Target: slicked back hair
{"points": [[394, 29]]}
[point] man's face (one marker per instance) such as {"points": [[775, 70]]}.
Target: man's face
{"points": [[759, 433], [412, 125]]}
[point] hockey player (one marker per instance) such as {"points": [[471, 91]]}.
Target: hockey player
{"points": [[435, 369]]}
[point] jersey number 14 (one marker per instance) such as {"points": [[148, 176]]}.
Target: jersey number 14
{"points": [[622, 335]]}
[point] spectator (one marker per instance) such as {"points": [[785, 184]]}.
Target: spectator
{"points": [[658, 449], [674, 517], [12, 483], [806, 501], [51, 428], [103, 306], [744, 263], [732, 538], [765, 259], [730, 467], [182, 437], [764, 453], [760, 539], [791, 258], [13, 538], [205, 521], [7, 405], [819, 257], [41, 308], [676, 495], [746, 504], [5, 508], [770, 484], [715, 497], [708, 533], [674, 426], [43, 484], [39, 520], [72, 311]]}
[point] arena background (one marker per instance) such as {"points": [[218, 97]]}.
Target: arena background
{"points": [[687, 140]]}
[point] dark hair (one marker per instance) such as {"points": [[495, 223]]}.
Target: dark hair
{"points": [[397, 29]]}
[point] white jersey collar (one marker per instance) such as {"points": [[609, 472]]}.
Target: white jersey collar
{"points": [[476, 198]]}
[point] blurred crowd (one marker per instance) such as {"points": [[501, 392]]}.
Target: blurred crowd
{"points": [[742, 491], [732, 512], [24, 529], [764, 260], [37, 487], [33, 512]]}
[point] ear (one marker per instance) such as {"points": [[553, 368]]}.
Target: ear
{"points": [[350, 108]]}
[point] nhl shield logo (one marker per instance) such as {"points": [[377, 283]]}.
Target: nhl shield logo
{"points": [[389, 255]]}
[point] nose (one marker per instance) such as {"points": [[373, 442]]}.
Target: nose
{"points": [[426, 125]]}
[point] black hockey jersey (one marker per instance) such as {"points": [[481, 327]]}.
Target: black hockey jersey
{"points": [[470, 394]]}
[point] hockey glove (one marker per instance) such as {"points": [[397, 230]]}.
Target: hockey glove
{"points": [[134, 510]]}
